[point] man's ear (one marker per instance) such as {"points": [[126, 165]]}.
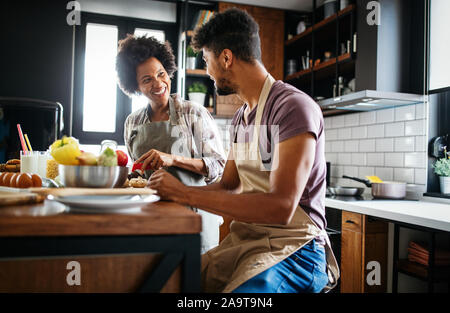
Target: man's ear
{"points": [[227, 58]]}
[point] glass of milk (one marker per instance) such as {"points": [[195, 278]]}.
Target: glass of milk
{"points": [[29, 161]]}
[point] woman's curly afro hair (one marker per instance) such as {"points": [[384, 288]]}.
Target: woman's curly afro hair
{"points": [[136, 50], [232, 29]]}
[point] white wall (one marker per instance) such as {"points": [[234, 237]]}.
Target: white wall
{"points": [[143, 9]]}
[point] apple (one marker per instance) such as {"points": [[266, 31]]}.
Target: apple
{"points": [[122, 158]]}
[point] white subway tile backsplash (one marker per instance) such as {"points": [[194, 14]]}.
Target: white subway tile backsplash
{"points": [[351, 146], [338, 121], [367, 118], [366, 171], [421, 143], [385, 145], [389, 143], [385, 116], [421, 111], [415, 159], [331, 134], [344, 133], [405, 113], [386, 174], [331, 157], [337, 146], [394, 129], [351, 120], [328, 122], [420, 176], [375, 131], [337, 170], [345, 159], [394, 159], [404, 144], [359, 159], [404, 175], [351, 171], [415, 128], [359, 132], [375, 159], [367, 145]]}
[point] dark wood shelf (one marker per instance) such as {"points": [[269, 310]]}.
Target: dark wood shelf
{"points": [[346, 10], [298, 74], [326, 65], [344, 57], [298, 36], [321, 24], [441, 273]]}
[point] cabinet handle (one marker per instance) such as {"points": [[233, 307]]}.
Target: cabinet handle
{"points": [[350, 222]]}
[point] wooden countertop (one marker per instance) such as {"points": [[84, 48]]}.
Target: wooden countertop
{"points": [[54, 219]]}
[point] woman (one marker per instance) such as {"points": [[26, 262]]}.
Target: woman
{"points": [[169, 132]]}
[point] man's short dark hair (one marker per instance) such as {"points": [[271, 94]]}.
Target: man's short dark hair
{"points": [[134, 51], [232, 29]]}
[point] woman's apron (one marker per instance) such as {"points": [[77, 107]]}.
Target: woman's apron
{"points": [[249, 248], [164, 136]]}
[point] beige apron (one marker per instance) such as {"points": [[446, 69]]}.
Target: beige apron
{"points": [[250, 248]]}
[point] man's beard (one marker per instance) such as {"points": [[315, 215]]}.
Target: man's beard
{"points": [[224, 90]]}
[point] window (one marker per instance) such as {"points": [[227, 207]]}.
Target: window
{"points": [[100, 107]]}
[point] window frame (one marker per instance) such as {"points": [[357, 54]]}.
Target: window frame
{"points": [[125, 25]]}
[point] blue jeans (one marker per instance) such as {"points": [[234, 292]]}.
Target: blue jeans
{"points": [[303, 271]]}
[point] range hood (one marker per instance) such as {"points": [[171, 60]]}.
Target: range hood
{"points": [[368, 100]]}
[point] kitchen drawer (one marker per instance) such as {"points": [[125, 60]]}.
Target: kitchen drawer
{"points": [[352, 221]]}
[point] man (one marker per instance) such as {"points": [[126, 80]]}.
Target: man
{"points": [[277, 240]]}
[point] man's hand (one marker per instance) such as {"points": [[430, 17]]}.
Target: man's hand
{"points": [[167, 186], [154, 160]]}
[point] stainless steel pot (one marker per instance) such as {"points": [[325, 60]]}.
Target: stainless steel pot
{"points": [[384, 190]]}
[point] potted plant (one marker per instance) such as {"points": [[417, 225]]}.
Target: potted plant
{"points": [[442, 169], [197, 92], [191, 56]]}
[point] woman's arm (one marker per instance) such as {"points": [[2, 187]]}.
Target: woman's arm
{"points": [[208, 143], [194, 165]]}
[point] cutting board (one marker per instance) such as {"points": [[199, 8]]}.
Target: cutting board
{"points": [[61, 192], [17, 198]]}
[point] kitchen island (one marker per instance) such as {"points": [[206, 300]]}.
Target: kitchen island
{"points": [[47, 248]]}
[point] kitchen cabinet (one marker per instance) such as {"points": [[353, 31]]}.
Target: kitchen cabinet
{"points": [[321, 59], [363, 240]]}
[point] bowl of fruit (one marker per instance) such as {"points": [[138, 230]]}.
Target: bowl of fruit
{"points": [[84, 169]]}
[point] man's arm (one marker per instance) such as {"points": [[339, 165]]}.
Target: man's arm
{"points": [[277, 206]]}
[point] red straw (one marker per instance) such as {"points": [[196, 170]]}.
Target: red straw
{"points": [[24, 147]]}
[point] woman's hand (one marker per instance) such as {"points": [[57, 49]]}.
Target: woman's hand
{"points": [[155, 159], [167, 186]]}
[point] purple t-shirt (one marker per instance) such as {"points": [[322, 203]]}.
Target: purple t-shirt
{"points": [[289, 112]]}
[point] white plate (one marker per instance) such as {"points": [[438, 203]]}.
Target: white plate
{"points": [[107, 203]]}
